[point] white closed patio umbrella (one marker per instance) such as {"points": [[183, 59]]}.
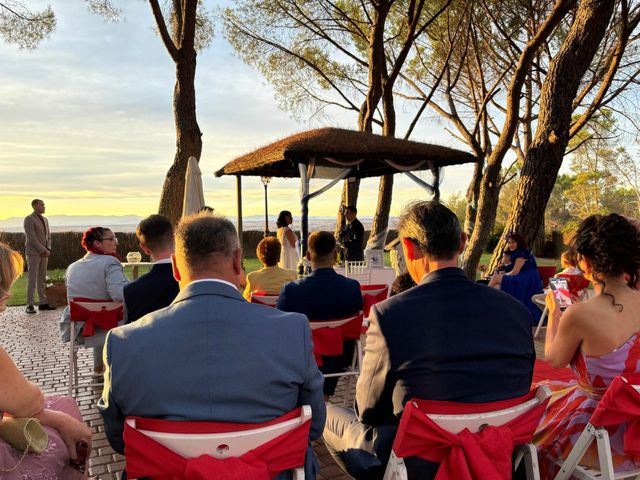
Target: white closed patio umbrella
{"points": [[193, 200]]}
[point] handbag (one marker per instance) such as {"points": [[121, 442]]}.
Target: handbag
{"points": [[23, 434]]}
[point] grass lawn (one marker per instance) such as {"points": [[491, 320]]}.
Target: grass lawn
{"points": [[19, 290]]}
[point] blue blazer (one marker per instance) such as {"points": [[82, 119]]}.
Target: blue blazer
{"points": [[154, 290], [446, 339], [322, 295], [213, 356]]}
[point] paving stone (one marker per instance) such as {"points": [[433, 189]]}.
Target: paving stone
{"points": [[33, 343]]}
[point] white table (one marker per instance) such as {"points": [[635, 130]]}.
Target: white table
{"points": [[134, 267]]}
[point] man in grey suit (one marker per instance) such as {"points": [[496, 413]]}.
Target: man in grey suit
{"points": [[37, 251], [211, 355]]}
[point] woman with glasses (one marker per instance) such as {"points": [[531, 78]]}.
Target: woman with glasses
{"points": [[98, 275]]}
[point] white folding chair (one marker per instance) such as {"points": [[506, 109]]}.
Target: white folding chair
{"points": [[353, 370], [545, 311], [359, 271], [570, 467], [85, 305], [264, 299], [474, 422], [228, 444]]}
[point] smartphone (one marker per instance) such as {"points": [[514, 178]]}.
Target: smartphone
{"points": [[561, 294], [83, 453]]}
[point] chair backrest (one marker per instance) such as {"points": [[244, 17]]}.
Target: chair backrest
{"points": [[78, 306], [335, 323], [355, 267], [218, 445], [264, 299], [455, 423], [372, 294], [546, 272]]}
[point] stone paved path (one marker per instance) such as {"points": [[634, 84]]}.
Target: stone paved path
{"points": [[32, 342]]}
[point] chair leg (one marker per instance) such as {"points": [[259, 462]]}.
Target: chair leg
{"points": [[577, 452], [604, 454], [531, 462], [355, 367], [298, 474], [396, 469], [543, 317], [72, 358]]}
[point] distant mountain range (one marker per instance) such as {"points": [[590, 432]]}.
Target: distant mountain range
{"points": [[128, 223]]}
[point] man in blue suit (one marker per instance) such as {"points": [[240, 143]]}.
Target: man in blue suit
{"points": [[211, 355], [448, 338], [324, 295], [157, 288]]}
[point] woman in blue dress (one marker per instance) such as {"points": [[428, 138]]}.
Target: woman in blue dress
{"points": [[523, 280]]}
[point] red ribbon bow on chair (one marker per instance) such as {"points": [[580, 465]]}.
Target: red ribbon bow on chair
{"points": [[147, 458], [106, 319], [621, 404], [485, 454]]}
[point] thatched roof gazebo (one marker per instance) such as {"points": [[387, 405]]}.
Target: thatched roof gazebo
{"points": [[335, 154]]}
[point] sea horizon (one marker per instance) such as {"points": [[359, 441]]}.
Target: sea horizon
{"points": [[128, 223]]}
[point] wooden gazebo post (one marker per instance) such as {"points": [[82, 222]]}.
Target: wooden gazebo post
{"points": [[239, 201]]}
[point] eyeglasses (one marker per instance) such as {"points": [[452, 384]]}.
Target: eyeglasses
{"points": [[114, 238]]}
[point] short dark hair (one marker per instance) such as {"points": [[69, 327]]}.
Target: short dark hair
{"points": [[155, 231], [433, 228], [268, 251], [321, 244], [352, 208], [202, 236], [35, 201]]}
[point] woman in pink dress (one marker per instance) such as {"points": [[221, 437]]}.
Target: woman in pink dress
{"points": [[599, 338], [59, 416]]}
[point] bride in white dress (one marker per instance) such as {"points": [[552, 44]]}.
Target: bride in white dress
{"points": [[289, 241]]}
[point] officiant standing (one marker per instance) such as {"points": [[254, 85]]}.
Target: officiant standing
{"points": [[352, 236], [37, 251]]}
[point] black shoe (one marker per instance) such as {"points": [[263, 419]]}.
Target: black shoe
{"points": [[46, 306], [30, 309]]}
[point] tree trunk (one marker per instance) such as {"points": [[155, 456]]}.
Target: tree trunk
{"points": [[473, 194], [544, 158], [378, 235], [485, 219], [188, 136], [374, 93]]}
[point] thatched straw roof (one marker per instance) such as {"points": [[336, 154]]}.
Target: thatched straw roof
{"points": [[372, 155]]}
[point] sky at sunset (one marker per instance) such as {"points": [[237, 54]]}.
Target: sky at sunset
{"points": [[86, 123]]}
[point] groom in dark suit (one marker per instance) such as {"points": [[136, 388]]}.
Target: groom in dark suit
{"points": [[157, 288], [211, 355], [448, 338], [324, 295]]}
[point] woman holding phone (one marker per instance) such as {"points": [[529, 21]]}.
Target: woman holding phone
{"points": [[599, 338], [20, 398]]}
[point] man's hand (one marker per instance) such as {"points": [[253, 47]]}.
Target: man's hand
{"points": [[46, 253]]}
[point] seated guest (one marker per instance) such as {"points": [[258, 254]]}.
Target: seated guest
{"points": [[59, 416], [98, 275], [324, 295], [506, 265], [210, 355], [522, 281], [270, 278], [568, 262], [599, 338], [448, 338], [157, 288]]}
